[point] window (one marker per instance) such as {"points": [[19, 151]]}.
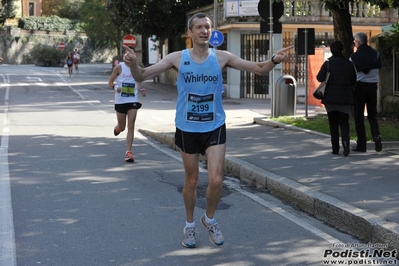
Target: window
{"points": [[31, 9]]}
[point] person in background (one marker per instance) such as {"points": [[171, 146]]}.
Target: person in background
{"points": [[367, 62], [69, 62], [126, 104], [76, 58], [200, 117], [338, 97]]}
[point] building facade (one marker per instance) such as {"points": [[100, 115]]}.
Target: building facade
{"points": [[27, 8], [236, 20]]}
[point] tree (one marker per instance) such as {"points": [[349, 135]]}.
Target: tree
{"points": [[7, 10], [98, 25], [62, 8], [342, 23], [52, 7], [164, 19]]}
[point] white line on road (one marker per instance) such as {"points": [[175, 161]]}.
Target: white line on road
{"points": [[36, 78], [75, 91], [7, 235], [233, 183]]}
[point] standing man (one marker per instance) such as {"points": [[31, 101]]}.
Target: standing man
{"points": [[200, 117], [367, 61], [126, 104]]}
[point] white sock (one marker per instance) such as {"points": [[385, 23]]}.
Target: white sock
{"points": [[209, 220], [192, 224]]}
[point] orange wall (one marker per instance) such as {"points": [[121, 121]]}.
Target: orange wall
{"points": [[315, 63]]}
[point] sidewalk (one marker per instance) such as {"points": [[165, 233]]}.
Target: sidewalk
{"points": [[358, 194]]}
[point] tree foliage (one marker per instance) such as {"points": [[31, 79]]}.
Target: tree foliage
{"points": [[62, 8], [340, 10], [47, 55], [51, 23], [52, 7], [7, 10], [165, 19], [330, 4], [98, 25], [392, 37]]}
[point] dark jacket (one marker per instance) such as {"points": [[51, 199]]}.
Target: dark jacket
{"points": [[339, 88], [366, 58]]}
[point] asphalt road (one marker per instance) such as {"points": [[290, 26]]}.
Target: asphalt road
{"points": [[68, 198]]}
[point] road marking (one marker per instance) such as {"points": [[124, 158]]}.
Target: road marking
{"points": [[41, 84], [75, 91], [234, 184], [36, 78], [7, 234], [229, 181]]}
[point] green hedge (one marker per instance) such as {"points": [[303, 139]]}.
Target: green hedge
{"points": [[44, 55], [53, 23]]}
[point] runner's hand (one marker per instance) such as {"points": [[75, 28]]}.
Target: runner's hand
{"points": [[130, 57], [281, 55]]}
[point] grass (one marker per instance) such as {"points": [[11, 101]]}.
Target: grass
{"points": [[389, 127]]}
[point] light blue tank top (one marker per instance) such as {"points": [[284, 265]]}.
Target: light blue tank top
{"points": [[199, 105]]}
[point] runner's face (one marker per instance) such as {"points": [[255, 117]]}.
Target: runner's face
{"points": [[201, 31]]}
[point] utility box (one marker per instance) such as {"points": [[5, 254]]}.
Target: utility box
{"points": [[284, 97]]}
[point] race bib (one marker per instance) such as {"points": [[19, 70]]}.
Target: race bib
{"points": [[128, 89], [200, 107]]}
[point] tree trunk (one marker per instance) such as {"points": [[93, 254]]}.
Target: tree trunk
{"points": [[343, 28]]}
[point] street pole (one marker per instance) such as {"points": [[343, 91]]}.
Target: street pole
{"points": [[215, 14], [306, 73], [271, 73]]}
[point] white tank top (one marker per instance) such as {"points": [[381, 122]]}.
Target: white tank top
{"points": [[125, 81]]}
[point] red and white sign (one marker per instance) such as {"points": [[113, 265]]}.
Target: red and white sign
{"points": [[129, 40], [61, 46]]}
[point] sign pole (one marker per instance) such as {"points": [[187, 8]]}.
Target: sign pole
{"points": [[121, 45], [215, 14], [271, 73], [306, 73]]}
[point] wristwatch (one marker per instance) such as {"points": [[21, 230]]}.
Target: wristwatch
{"points": [[276, 63]]}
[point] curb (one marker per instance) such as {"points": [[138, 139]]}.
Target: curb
{"points": [[345, 217]]}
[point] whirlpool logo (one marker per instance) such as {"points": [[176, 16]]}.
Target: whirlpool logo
{"points": [[189, 77]]}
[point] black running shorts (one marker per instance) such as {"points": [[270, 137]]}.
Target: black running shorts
{"points": [[125, 107], [193, 143]]}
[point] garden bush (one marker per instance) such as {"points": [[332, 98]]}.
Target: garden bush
{"points": [[44, 55], [52, 23]]}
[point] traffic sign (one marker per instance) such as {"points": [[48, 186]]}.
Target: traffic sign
{"points": [[217, 38], [129, 40], [61, 46]]}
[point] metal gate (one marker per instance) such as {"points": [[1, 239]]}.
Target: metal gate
{"points": [[254, 47]]}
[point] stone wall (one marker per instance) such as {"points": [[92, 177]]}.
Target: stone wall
{"points": [[16, 44]]}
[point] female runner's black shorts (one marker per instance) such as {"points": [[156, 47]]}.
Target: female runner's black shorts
{"points": [[125, 107]]}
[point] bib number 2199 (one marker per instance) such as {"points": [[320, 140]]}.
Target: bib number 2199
{"points": [[200, 107]]}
